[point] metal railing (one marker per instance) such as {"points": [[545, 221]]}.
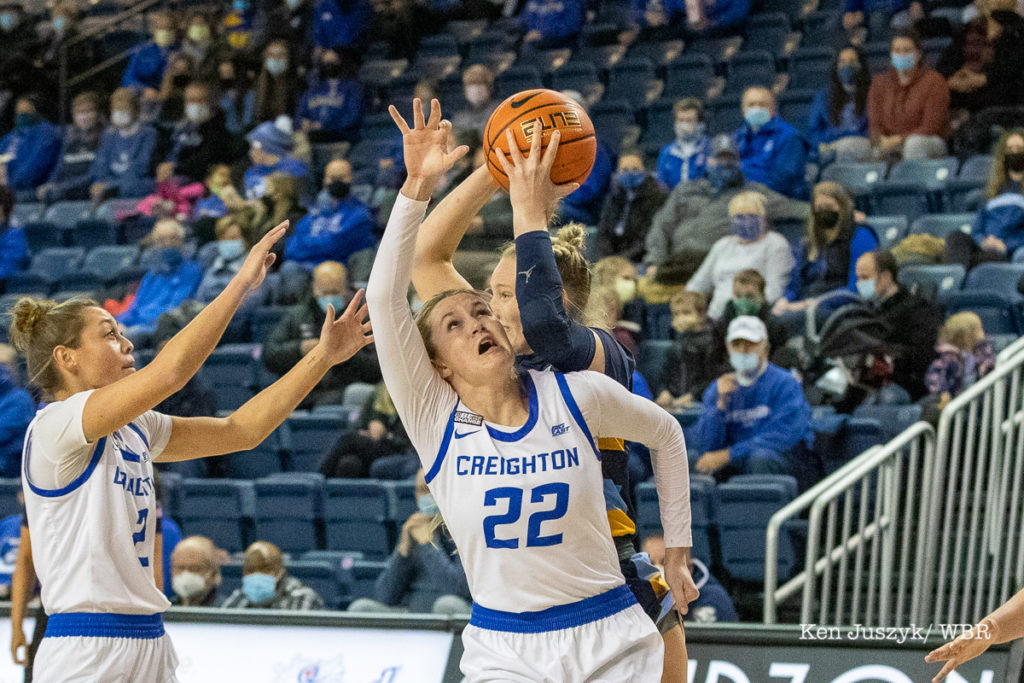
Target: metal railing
{"points": [[1010, 351], [859, 556]]}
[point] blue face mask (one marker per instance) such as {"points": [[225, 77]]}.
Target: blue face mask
{"points": [[903, 62], [170, 258], [229, 250], [866, 289], [724, 176], [8, 20], [744, 363], [7, 379], [331, 299], [276, 66], [631, 179], [59, 24], [847, 73], [757, 116], [241, 6], [427, 505], [259, 588], [748, 226]]}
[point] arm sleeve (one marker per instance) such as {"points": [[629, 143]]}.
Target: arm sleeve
{"points": [[864, 240], [58, 450], [547, 327], [609, 409], [423, 400], [778, 266], [783, 429], [936, 112]]}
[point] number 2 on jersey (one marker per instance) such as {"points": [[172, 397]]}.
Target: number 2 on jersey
{"points": [[514, 496], [140, 535]]}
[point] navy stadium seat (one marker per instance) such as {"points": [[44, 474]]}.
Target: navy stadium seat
{"points": [[889, 229], [91, 233], [230, 372], [517, 79], [725, 114], [1001, 278], [217, 509], [51, 264], [27, 212], [942, 225], [743, 508], [612, 120], [355, 516], [287, 510], [892, 419], [795, 107], [820, 27], [943, 279], [629, 80], [262, 461], [578, 76], [363, 577], [753, 67], [310, 439], [809, 67], [689, 75], [402, 495], [908, 199], [66, 214], [660, 53], [999, 312], [230, 578], [43, 235], [858, 178], [107, 261], [321, 576]]}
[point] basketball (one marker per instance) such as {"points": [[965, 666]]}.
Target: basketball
{"points": [[520, 113]]}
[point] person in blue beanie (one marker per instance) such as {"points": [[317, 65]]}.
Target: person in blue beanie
{"points": [[339, 226], [270, 148], [16, 411], [149, 61], [552, 23], [73, 173], [771, 151], [332, 108], [13, 243], [685, 158], [121, 166], [755, 420], [342, 23], [30, 152]]}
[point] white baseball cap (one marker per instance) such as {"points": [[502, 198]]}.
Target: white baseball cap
{"points": [[746, 327]]}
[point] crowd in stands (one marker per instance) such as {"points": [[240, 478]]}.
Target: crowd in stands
{"points": [[739, 219]]}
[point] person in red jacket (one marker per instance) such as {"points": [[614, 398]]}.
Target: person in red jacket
{"points": [[908, 105]]}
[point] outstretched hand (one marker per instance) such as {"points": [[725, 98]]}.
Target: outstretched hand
{"points": [[260, 258], [966, 647], [531, 190], [342, 338], [679, 578], [425, 145]]}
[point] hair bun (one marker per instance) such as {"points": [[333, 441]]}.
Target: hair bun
{"points": [[26, 316], [572, 235]]}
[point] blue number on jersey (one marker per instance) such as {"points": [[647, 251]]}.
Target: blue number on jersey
{"points": [[515, 510], [140, 535]]}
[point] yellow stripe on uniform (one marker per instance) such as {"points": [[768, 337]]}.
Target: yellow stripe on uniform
{"points": [[607, 444], [620, 523]]}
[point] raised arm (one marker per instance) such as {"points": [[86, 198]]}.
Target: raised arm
{"points": [[115, 405], [244, 429], [420, 396], [443, 230]]}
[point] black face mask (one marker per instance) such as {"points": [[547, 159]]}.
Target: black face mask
{"points": [[331, 70], [825, 219], [337, 189], [227, 83], [1014, 161], [180, 81]]}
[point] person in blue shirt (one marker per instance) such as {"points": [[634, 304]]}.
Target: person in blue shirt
{"points": [[877, 17], [30, 152], [338, 227], [332, 108], [13, 243], [172, 280], [149, 61], [837, 127], [771, 151], [685, 158], [552, 23], [719, 17], [342, 23], [755, 420], [71, 177], [270, 148], [16, 410], [237, 98], [121, 166]]}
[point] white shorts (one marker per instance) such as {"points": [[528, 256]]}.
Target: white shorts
{"points": [[92, 658], [624, 646]]}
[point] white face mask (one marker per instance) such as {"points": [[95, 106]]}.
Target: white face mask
{"points": [[121, 118], [188, 585], [476, 94], [197, 112], [625, 289], [85, 120], [686, 130]]}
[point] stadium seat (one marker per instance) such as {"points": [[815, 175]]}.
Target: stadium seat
{"points": [[660, 128], [117, 42], [355, 516], [53, 263], [702, 515], [769, 31], [218, 509], [310, 438], [27, 212], [43, 235], [380, 72], [598, 34], [742, 510], [321, 576], [942, 225], [890, 229], [438, 45], [262, 461], [629, 80], [945, 278], [25, 282], [715, 48], [725, 114], [689, 75], [91, 233], [106, 261], [466, 29], [230, 371], [9, 489], [1000, 312], [264, 319], [892, 419], [908, 199], [653, 359], [1001, 278], [169, 492], [809, 67], [362, 578], [545, 61], [612, 120], [859, 434], [820, 28], [753, 67], [287, 510], [230, 578], [66, 214], [660, 53], [858, 178], [402, 495], [795, 107], [517, 79], [578, 76]]}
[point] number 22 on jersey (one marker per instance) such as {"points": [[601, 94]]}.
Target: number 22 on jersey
{"points": [[540, 498]]}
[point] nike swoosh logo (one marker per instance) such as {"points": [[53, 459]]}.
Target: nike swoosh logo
{"points": [[460, 435], [516, 105]]}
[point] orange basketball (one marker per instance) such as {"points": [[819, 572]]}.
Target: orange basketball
{"points": [[519, 113]]}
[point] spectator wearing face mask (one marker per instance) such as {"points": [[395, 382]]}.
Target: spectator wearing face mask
{"points": [[227, 256], [693, 362], [30, 152], [696, 215], [332, 109], [270, 150], [146, 68], [291, 21], [424, 573], [685, 159], [837, 127], [296, 334], [277, 89], [195, 572], [16, 32], [122, 160], [748, 298], [170, 281], [267, 585], [628, 209], [16, 411], [13, 243], [338, 227], [73, 173], [998, 229], [200, 140], [771, 151], [237, 98], [913, 322], [342, 23], [908, 105], [60, 35], [827, 255], [478, 87], [201, 47], [755, 419], [750, 246]]}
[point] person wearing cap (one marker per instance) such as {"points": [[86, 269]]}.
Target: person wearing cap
{"points": [[755, 420], [478, 87], [332, 108], [696, 214], [200, 140], [772, 152], [270, 148], [685, 158], [30, 152]]}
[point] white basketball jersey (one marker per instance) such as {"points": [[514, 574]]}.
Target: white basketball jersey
{"points": [[92, 540], [526, 508]]}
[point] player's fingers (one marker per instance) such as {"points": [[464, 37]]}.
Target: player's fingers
{"points": [[548, 160], [268, 240], [505, 164], [417, 114], [354, 304], [513, 148], [269, 260], [435, 114], [537, 140], [398, 119], [456, 154], [939, 654], [367, 327], [565, 189], [945, 671]]}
